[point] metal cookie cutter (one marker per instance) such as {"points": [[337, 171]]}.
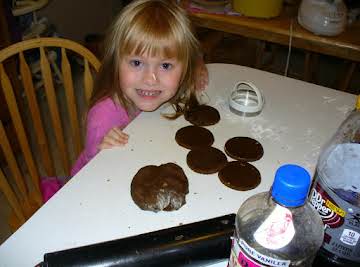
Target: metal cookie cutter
{"points": [[246, 99]]}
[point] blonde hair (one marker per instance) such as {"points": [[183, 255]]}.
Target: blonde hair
{"points": [[156, 28]]}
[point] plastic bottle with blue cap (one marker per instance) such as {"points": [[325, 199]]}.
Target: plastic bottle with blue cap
{"points": [[278, 227]]}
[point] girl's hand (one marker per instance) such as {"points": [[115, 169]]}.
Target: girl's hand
{"points": [[115, 137], [202, 75]]}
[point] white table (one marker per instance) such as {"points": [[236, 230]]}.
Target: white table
{"points": [[96, 205]]}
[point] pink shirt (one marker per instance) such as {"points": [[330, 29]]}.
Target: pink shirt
{"points": [[102, 117]]}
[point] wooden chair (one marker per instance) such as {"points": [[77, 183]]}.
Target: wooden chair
{"points": [[28, 151]]}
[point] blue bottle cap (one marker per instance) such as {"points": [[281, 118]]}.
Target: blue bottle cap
{"points": [[291, 185]]}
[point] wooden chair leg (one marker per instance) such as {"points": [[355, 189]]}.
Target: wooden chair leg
{"points": [[344, 83], [315, 66], [274, 48], [209, 43], [260, 51], [307, 66], [311, 62]]}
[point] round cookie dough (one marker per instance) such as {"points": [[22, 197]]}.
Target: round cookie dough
{"points": [[244, 148], [240, 175], [202, 115], [161, 187], [192, 137], [206, 160]]}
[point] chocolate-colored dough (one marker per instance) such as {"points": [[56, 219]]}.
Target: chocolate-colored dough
{"points": [[244, 148], [202, 115], [192, 137], [206, 160], [161, 187], [240, 175]]}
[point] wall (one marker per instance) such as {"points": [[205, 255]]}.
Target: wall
{"points": [[74, 19]]}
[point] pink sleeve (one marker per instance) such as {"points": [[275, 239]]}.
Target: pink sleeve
{"points": [[97, 127], [100, 120]]}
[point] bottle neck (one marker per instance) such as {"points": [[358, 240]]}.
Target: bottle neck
{"points": [[275, 202]]}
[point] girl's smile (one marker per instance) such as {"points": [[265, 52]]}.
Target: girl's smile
{"points": [[149, 81], [148, 93]]}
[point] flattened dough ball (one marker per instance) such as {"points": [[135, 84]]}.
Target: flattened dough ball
{"points": [[161, 187], [244, 148], [202, 115], [206, 160], [192, 137], [240, 175]]}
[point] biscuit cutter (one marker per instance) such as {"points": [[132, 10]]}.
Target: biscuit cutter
{"points": [[246, 99]]}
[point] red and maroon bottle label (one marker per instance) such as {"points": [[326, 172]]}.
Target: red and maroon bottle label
{"points": [[341, 221]]}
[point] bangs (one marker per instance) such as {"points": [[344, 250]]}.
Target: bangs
{"points": [[152, 46], [154, 33]]}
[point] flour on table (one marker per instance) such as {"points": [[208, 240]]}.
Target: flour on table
{"points": [[300, 108], [308, 136], [286, 147], [259, 127], [222, 104], [344, 109], [311, 157], [328, 99], [260, 130], [311, 137]]}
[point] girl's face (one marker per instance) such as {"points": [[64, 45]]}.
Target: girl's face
{"points": [[148, 82]]}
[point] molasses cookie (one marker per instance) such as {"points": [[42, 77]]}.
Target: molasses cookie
{"points": [[194, 137], [206, 160], [161, 187], [244, 148], [240, 175], [202, 115]]}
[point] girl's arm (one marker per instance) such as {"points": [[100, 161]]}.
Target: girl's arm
{"points": [[115, 137], [104, 127]]}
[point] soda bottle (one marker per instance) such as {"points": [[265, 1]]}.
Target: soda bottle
{"points": [[336, 194], [279, 227]]}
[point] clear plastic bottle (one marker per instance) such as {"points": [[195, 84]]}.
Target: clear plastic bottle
{"points": [[279, 227], [336, 194]]}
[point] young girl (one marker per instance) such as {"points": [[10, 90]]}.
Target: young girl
{"points": [[151, 58]]}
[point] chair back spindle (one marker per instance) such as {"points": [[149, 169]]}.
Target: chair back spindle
{"points": [[46, 118]]}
